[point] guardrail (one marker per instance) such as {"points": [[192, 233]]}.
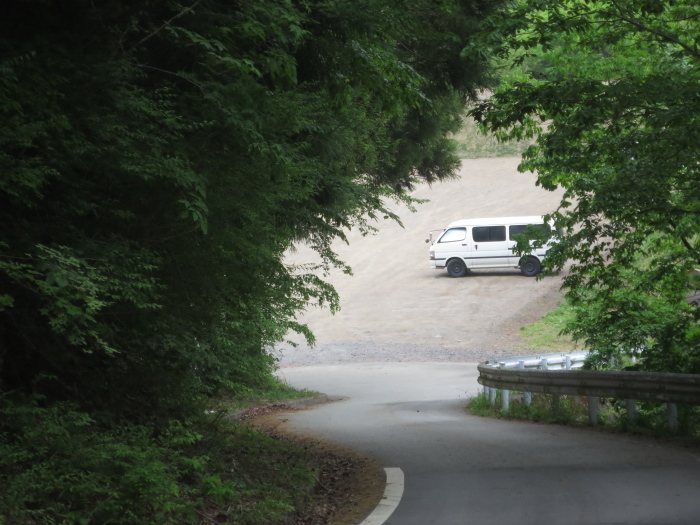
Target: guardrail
{"points": [[566, 360], [557, 374]]}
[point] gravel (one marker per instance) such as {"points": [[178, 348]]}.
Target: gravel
{"points": [[396, 308], [372, 351]]}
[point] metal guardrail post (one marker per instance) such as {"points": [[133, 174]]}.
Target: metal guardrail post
{"points": [[631, 408], [492, 395], [505, 394], [672, 415], [556, 398], [527, 396], [593, 410], [568, 362]]}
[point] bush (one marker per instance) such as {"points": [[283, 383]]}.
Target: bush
{"points": [[58, 466]]}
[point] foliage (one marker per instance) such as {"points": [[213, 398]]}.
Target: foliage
{"points": [[156, 170], [609, 89], [659, 330], [58, 466]]}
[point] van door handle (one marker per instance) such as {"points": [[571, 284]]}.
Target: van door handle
{"points": [[476, 246]]}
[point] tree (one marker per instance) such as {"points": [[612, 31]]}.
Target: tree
{"points": [[613, 101], [157, 160]]}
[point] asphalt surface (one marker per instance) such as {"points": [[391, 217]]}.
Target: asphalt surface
{"points": [[463, 469]]}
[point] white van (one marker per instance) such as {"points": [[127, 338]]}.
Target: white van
{"points": [[485, 243]]}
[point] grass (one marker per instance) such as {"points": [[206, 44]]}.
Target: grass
{"points": [[612, 417], [473, 144], [275, 392], [545, 334], [572, 410]]}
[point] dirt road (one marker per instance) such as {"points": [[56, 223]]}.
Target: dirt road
{"points": [[395, 308]]}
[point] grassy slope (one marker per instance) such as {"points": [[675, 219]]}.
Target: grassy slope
{"points": [[473, 144], [545, 334]]}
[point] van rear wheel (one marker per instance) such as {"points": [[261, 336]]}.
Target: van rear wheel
{"points": [[456, 268], [530, 266]]}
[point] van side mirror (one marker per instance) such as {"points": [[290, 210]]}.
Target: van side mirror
{"points": [[427, 240]]}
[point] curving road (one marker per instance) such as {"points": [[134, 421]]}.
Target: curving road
{"points": [[467, 470], [403, 351]]}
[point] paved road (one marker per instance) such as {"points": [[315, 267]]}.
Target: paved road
{"points": [[466, 470], [459, 469]]}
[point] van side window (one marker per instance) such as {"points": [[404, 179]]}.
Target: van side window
{"points": [[453, 235], [520, 229], [516, 230], [489, 233]]}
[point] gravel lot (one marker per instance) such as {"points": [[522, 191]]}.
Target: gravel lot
{"points": [[396, 308]]}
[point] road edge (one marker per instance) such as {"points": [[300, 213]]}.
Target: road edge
{"points": [[391, 499]]}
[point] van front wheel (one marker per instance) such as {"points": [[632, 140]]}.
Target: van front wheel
{"points": [[456, 268], [530, 267]]}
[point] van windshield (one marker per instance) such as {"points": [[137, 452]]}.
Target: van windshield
{"points": [[454, 235]]}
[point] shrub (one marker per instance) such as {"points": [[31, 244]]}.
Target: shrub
{"points": [[59, 466]]}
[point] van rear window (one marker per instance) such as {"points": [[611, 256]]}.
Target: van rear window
{"points": [[489, 233], [520, 229]]}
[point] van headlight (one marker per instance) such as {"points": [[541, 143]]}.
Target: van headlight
{"points": [[432, 255]]}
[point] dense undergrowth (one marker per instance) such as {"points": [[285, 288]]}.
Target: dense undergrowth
{"points": [[58, 465]]}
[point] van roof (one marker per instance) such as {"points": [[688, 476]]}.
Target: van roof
{"points": [[498, 221]]}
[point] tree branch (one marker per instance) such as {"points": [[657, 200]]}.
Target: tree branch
{"points": [[642, 27], [686, 243], [165, 24], [174, 74]]}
